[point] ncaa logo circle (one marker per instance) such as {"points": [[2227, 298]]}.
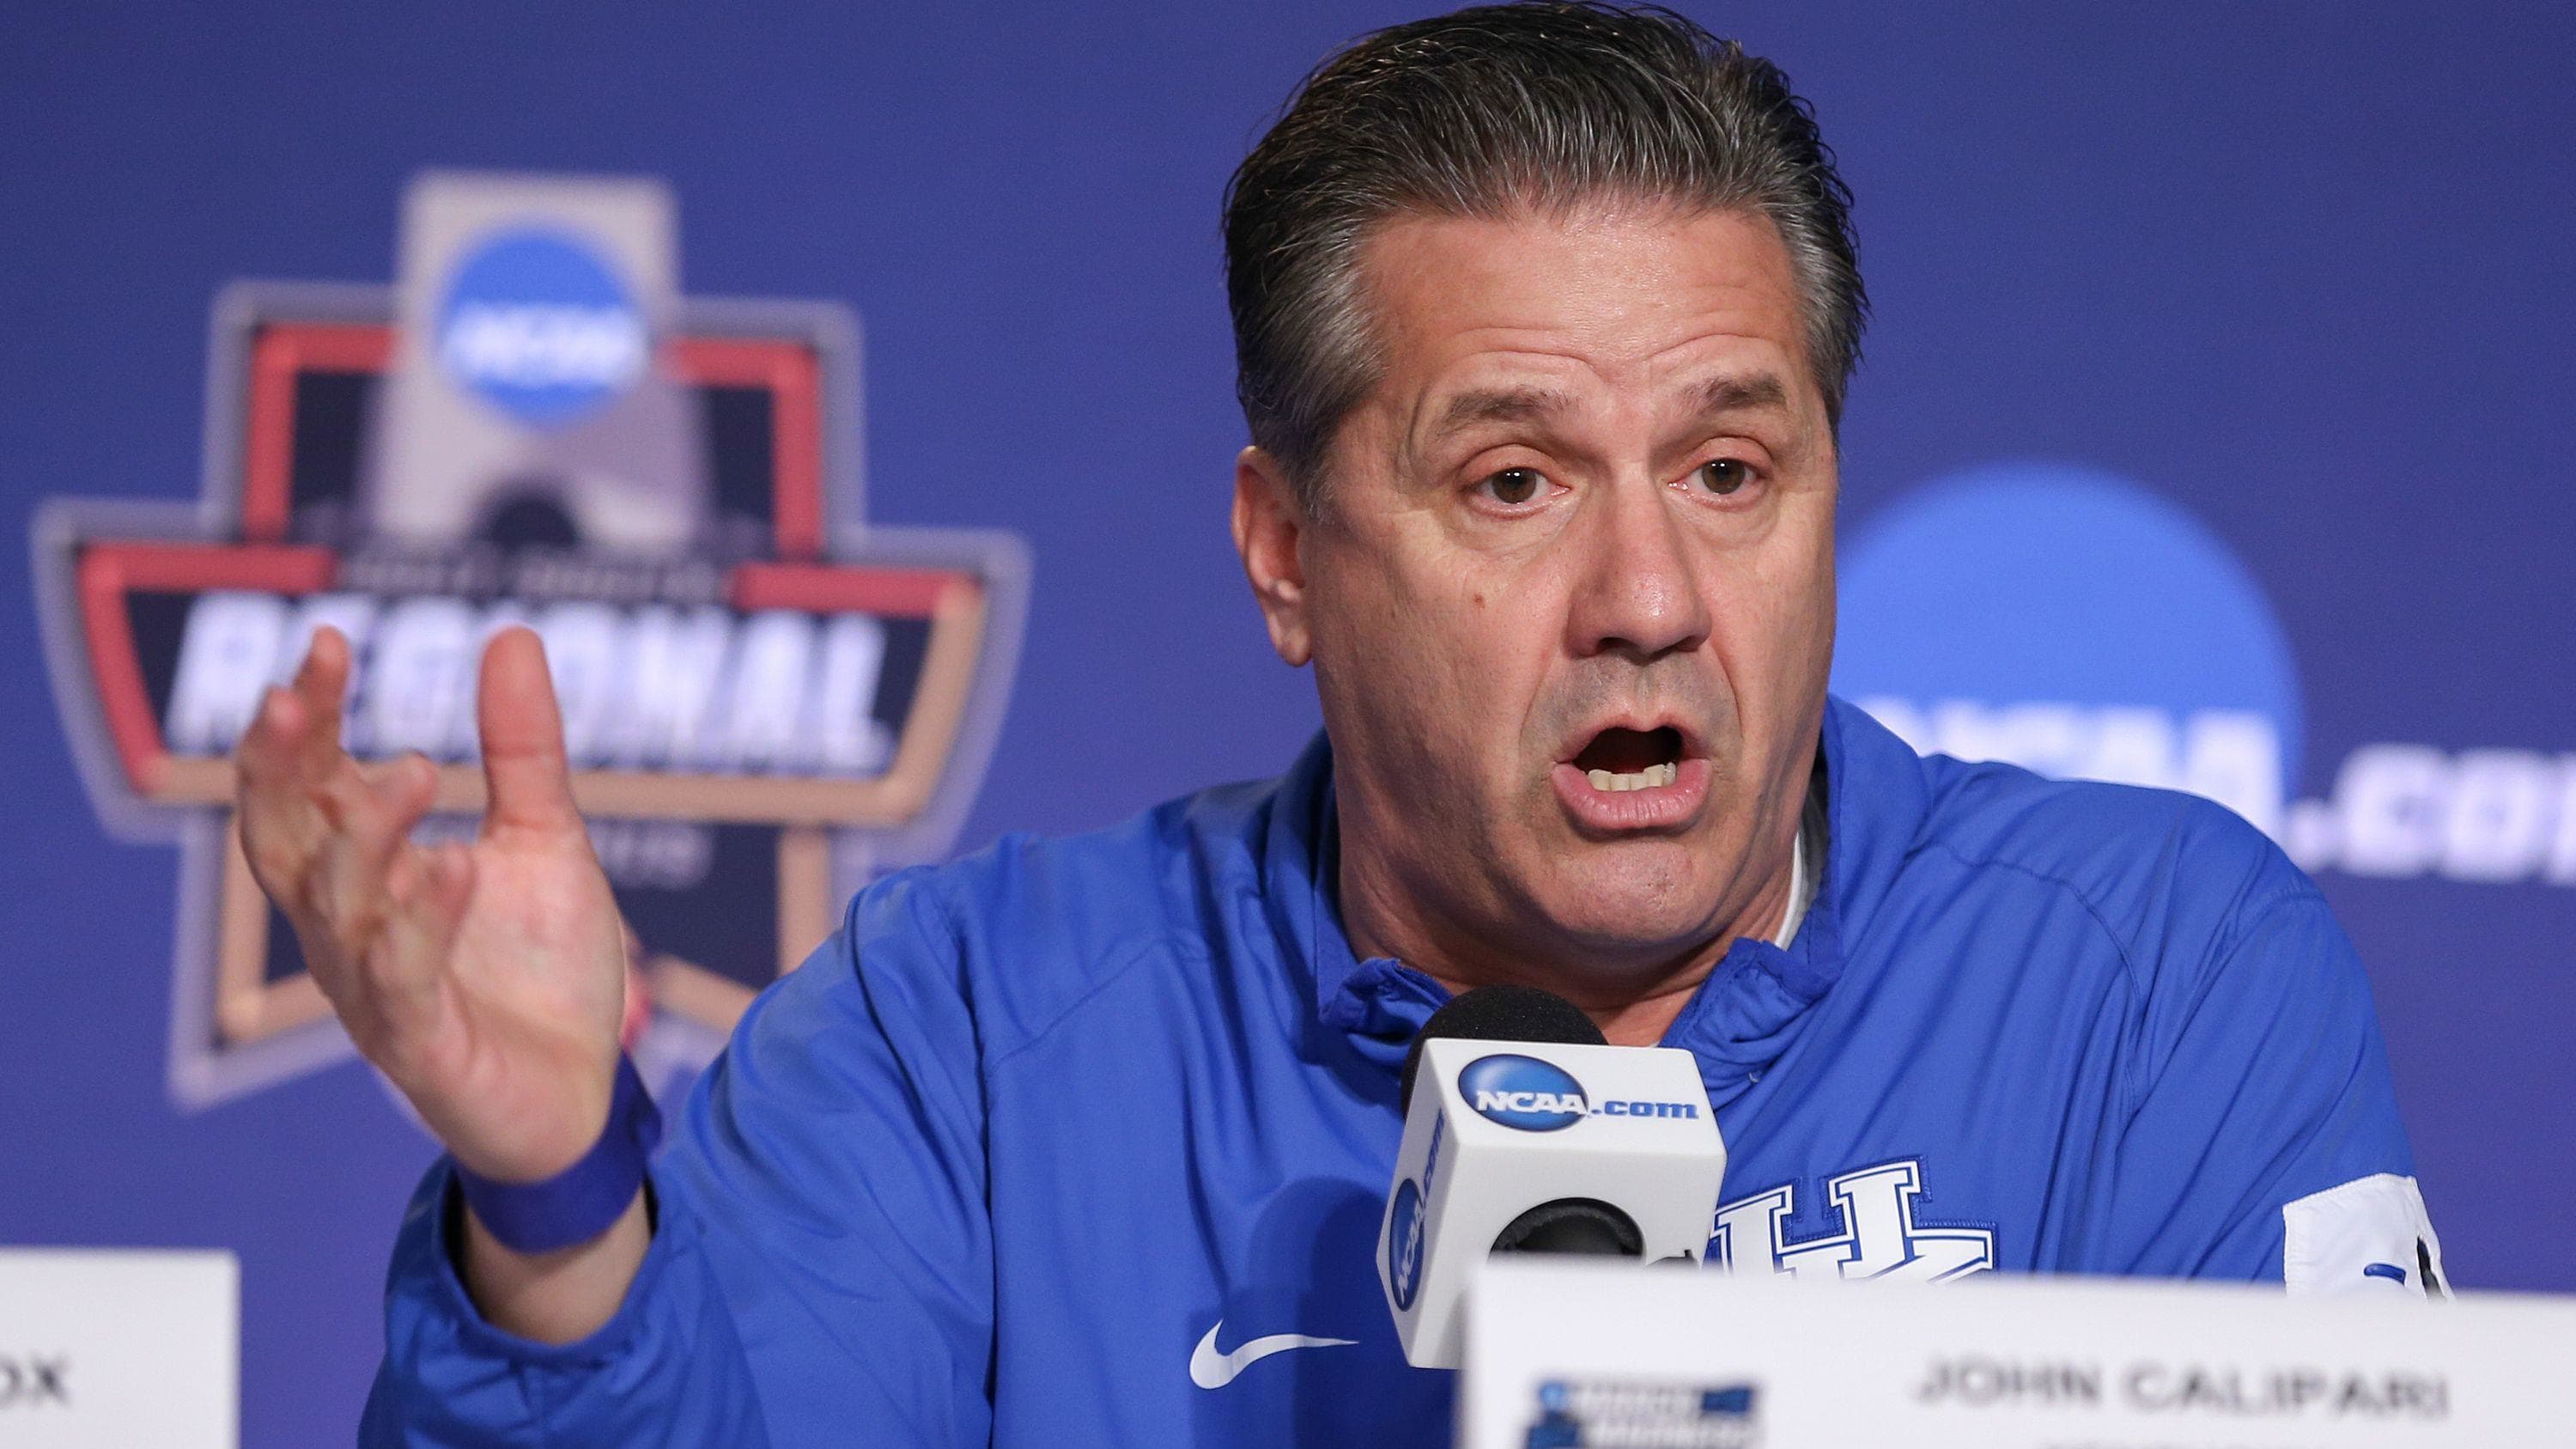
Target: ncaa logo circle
{"points": [[2069, 621], [1523, 1092], [538, 326], [1404, 1244]]}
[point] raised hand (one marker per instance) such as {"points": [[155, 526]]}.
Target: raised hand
{"points": [[486, 980]]}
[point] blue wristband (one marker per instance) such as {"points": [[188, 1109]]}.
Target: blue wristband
{"points": [[585, 1199]]}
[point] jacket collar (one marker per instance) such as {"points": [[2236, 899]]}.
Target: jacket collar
{"points": [[1745, 1014], [1377, 1004]]}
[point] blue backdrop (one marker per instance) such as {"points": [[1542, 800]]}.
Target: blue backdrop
{"points": [[2292, 278]]}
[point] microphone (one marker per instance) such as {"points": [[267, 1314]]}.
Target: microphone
{"points": [[1524, 1132]]}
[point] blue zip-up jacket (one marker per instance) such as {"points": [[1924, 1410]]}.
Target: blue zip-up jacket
{"points": [[1038, 1138]]}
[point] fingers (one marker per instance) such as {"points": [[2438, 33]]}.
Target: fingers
{"points": [[329, 840], [342, 892], [426, 892], [373, 811], [523, 747], [321, 683], [291, 750], [279, 824]]}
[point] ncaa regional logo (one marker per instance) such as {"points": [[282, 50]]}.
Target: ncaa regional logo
{"points": [[765, 701], [1622, 1410], [2072, 622]]}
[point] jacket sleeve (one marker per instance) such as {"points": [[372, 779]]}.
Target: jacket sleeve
{"points": [[821, 1264], [2267, 1147]]}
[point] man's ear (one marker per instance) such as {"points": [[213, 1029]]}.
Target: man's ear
{"points": [[1268, 526]]}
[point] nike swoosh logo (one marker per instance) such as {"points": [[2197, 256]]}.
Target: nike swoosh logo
{"points": [[1210, 1369]]}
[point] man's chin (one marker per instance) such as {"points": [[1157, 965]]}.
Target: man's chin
{"points": [[1630, 917]]}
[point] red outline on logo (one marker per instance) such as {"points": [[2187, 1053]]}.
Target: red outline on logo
{"points": [[109, 571], [786, 369]]}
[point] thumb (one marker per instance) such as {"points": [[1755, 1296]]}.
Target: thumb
{"points": [[522, 730]]}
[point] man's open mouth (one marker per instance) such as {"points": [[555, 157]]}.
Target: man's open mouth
{"points": [[1619, 758]]}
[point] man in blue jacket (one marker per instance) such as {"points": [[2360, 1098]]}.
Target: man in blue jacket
{"points": [[1544, 316]]}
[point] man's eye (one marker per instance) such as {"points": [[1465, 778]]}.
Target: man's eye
{"points": [[1724, 475], [1515, 485]]}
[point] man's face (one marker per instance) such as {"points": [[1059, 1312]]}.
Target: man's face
{"points": [[1569, 591]]}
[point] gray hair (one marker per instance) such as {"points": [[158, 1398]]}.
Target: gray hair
{"points": [[1493, 110]]}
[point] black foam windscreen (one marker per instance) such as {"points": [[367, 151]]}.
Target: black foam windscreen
{"points": [[1500, 1013], [1573, 1227]]}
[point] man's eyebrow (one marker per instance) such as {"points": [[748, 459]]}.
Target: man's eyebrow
{"points": [[1496, 405], [1726, 393], [1742, 392]]}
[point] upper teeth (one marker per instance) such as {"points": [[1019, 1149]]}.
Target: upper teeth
{"points": [[1650, 777]]}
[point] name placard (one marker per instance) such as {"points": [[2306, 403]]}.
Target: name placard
{"points": [[1603, 1357], [119, 1347]]}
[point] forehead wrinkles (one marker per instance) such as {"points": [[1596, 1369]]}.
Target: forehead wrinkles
{"points": [[1447, 305], [1612, 267], [1694, 378]]}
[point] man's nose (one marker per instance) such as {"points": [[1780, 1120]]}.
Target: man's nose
{"points": [[1637, 590]]}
